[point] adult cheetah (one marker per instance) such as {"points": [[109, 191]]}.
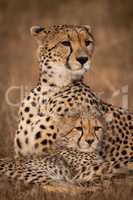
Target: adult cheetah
{"points": [[64, 55], [69, 98]]}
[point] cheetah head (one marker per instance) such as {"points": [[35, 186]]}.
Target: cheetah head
{"points": [[93, 131], [64, 52]]}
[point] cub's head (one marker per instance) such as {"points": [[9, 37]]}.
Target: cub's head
{"points": [[88, 133], [64, 52]]}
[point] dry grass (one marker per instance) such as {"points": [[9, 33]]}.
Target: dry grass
{"points": [[112, 66], [11, 191]]}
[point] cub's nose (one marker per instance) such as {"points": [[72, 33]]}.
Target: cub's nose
{"points": [[90, 141], [82, 60]]}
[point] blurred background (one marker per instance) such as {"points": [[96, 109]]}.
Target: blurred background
{"points": [[111, 75]]}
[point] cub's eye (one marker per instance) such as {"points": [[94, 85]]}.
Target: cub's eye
{"points": [[66, 43], [96, 128], [88, 42]]}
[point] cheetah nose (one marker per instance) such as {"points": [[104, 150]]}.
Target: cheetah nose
{"points": [[82, 60], [90, 141]]}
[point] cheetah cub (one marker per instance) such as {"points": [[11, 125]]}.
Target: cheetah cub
{"points": [[66, 164]]}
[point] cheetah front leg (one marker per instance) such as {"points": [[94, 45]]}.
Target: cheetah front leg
{"points": [[45, 170], [45, 131], [94, 174]]}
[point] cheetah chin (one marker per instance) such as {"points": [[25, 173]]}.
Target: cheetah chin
{"points": [[78, 74]]}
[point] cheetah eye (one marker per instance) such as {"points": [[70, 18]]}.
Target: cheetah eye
{"points": [[66, 43], [88, 42]]}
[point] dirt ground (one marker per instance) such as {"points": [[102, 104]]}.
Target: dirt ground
{"points": [[111, 75]]}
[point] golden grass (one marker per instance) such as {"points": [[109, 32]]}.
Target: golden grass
{"points": [[12, 191]]}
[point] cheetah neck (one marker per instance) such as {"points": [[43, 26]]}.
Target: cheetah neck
{"points": [[53, 80], [48, 85], [55, 77]]}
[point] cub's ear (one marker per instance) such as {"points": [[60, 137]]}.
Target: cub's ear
{"points": [[109, 117], [88, 28], [38, 32]]}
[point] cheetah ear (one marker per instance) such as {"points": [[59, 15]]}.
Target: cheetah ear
{"points": [[88, 28], [38, 32], [109, 117], [35, 30]]}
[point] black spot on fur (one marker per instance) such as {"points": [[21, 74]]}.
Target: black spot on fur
{"points": [[44, 80], [124, 152], [132, 148], [66, 110], [44, 142], [125, 142], [33, 104], [54, 136], [52, 85], [38, 135], [39, 89], [18, 143], [26, 141], [28, 98], [112, 150], [42, 126], [25, 132], [52, 127], [129, 117], [48, 134], [96, 168], [59, 109], [50, 142], [44, 149], [47, 119], [117, 166], [28, 121], [117, 154], [130, 127], [83, 169], [36, 145], [27, 109]]}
